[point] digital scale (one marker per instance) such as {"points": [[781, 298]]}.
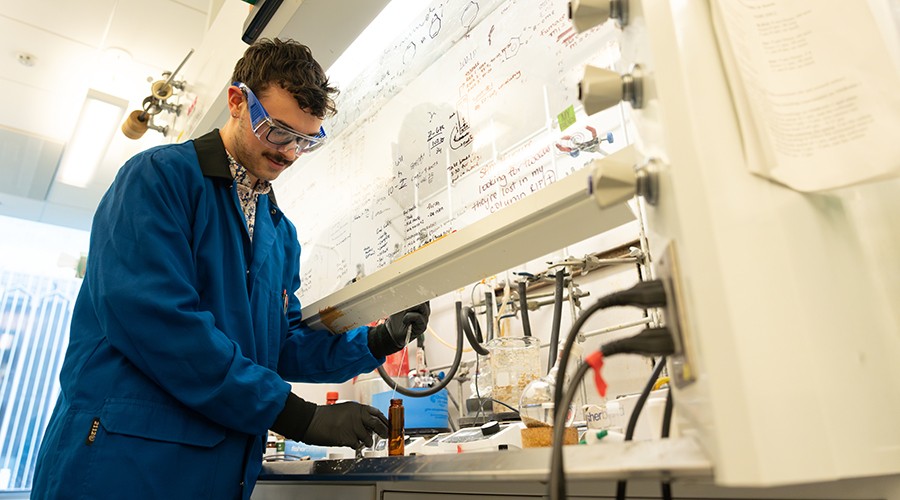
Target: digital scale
{"points": [[491, 436]]}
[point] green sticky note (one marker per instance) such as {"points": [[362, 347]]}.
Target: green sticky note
{"points": [[566, 118]]}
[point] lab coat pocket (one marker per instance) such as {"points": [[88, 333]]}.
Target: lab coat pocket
{"points": [[159, 422], [144, 447]]}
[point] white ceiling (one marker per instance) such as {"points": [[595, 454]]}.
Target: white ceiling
{"points": [[69, 41]]}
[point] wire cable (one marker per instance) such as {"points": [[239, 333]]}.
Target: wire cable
{"points": [[661, 382], [650, 341], [504, 404], [489, 311], [478, 394], [666, 485], [557, 475], [622, 484], [645, 294], [567, 349], [472, 328], [403, 355], [453, 427], [557, 318], [523, 307], [667, 415], [444, 342]]}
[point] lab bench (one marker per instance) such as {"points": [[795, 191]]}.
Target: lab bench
{"points": [[591, 472]]}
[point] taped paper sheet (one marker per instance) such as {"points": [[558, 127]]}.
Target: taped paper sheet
{"points": [[816, 85]]}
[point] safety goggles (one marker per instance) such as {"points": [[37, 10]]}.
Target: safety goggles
{"points": [[276, 136]]}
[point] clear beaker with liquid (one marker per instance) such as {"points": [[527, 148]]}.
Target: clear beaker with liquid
{"points": [[515, 362]]}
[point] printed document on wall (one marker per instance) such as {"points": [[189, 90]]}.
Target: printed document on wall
{"points": [[816, 85]]}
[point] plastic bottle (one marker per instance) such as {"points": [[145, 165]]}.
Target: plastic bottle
{"points": [[396, 423], [279, 444], [271, 444]]}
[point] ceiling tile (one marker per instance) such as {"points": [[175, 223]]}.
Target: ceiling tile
{"points": [[198, 5], [159, 33], [41, 112], [59, 62], [69, 40], [84, 21], [27, 163], [20, 207]]}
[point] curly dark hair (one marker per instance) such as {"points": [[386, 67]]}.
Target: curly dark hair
{"points": [[290, 65]]}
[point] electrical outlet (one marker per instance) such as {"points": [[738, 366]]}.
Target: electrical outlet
{"points": [[682, 371]]}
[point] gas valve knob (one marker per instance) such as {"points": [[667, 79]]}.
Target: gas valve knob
{"points": [[602, 88], [585, 14]]}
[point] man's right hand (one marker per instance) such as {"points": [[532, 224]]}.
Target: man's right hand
{"points": [[345, 424]]}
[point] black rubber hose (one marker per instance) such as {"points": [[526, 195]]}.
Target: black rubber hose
{"points": [[557, 473], [523, 306], [489, 312], [567, 349], [621, 485], [666, 486], [557, 317], [647, 292], [455, 366], [639, 404], [469, 321], [667, 415]]}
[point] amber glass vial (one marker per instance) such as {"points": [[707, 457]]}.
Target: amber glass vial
{"points": [[396, 437]]}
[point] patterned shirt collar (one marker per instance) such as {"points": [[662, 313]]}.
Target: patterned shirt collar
{"points": [[242, 177], [248, 192]]}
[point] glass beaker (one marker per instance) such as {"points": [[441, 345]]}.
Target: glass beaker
{"points": [[536, 406], [515, 362]]}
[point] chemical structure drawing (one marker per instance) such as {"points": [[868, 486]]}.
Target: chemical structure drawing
{"points": [[467, 19]]}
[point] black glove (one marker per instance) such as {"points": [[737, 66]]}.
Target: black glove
{"points": [[390, 336], [345, 424]]}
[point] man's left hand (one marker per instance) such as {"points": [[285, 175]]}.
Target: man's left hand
{"points": [[390, 336]]}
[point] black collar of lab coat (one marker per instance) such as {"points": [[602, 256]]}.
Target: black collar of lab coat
{"points": [[214, 160]]}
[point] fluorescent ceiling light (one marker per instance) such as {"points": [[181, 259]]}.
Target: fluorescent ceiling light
{"points": [[100, 117], [397, 15]]}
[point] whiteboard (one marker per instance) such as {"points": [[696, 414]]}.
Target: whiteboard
{"points": [[456, 119]]}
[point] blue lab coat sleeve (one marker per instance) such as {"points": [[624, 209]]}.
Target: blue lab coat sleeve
{"points": [[339, 357]]}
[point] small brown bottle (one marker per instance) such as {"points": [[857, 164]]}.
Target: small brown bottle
{"points": [[395, 436]]}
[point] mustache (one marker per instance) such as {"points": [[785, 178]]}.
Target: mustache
{"points": [[278, 158]]}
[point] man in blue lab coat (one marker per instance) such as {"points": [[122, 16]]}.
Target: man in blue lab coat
{"points": [[187, 327]]}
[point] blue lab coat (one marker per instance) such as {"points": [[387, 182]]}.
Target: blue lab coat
{"points": [[182, 337]]}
